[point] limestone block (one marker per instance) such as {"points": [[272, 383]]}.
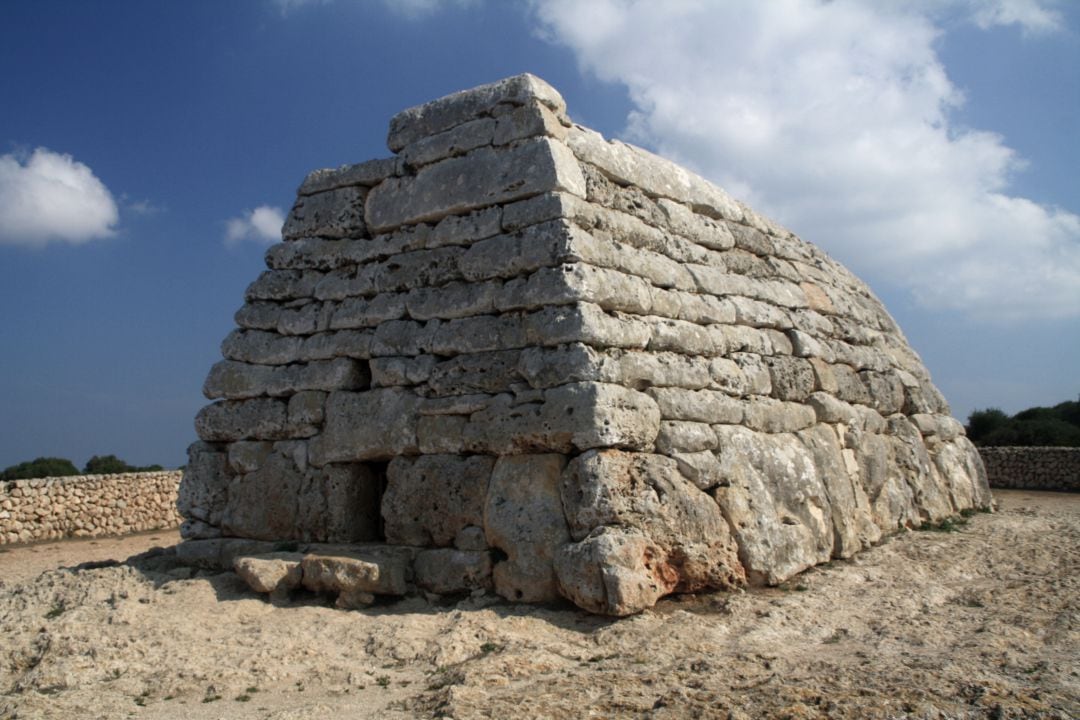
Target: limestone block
{"points": [[703, 468], [486, 176], [885, 389], [262, 504], [202, 493], [248, 456], [261, 348], [703, 406], [824, 378], [523, 517], [792, 378], [679, 436], [828, 409], [740, 338], [449, 143], [258, 316], [377, 424], [304, 320], [466, 229], [282, 285], [344, 343], [358, 312], [544, 367], [852, 518], [437, 434], [391, 371], [849, 387], [484, 333], [274, 573], [705, 309], [367, 174], [403, 337], [779, 508], [537, 246], [702, 229], [489, 372], [255, 419], [355, 579], [452, 300], [629, 165], [776, 416], [684, 337], [576, 416], [613, 572], [439, 115], [306, 410], [235, 380], [728, 377], [419, 268], [429, 499], [334, 214], [448, 571], [586, 323], [528, 120], [642, 370], [647, 493]]}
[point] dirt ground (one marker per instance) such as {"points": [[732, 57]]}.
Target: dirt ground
{"points": [[980, 622]]}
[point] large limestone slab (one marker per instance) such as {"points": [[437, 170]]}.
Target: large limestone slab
{"points": [[485, 176], [425, 120], [373, 425]]}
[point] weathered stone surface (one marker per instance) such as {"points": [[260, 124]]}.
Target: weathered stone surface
{"points": [[694, 546], [202, 494], [274, 573], [333, 214], [367, 174], [377, 424], [443, 330], [523, 517], [228, 420], [486, 176], [439, 115], [430, 499], [449, 571]]}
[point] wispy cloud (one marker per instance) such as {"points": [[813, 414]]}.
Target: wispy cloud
{"points": [[835, 119], [51, 197], [261, 225], [411, 9]]}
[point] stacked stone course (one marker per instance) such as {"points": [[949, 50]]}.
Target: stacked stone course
{"points": [[1032, 468], [557, 366], [87, 506]]}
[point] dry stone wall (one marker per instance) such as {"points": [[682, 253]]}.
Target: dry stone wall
{"points": [[1032, 468], [557, 366], [87, 506]]}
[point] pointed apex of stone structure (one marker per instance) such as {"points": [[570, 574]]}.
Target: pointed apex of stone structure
{"points": [[491, 100], [519, 357]]}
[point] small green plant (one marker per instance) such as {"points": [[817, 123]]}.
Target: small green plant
{"points": [[947, 525], [211, 698], [243, 698], [383, 681], [489, 647], [55, 611]]}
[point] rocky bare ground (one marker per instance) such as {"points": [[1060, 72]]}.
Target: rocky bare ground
{"points": [[976, 623]]}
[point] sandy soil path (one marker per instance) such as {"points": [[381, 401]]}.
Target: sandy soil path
{"points": [[977, 623]]}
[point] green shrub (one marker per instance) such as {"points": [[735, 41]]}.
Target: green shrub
{"points": [[111, 465], [40, 468], [1057, 426]]}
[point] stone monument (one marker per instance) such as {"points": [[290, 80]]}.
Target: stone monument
{"points": [[517, 357]]}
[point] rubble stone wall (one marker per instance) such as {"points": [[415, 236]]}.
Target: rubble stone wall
{"points": [[1032, 468], [87, 506], [558, 366]]}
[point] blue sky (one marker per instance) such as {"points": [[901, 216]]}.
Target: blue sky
{"points": [[930, 145]]}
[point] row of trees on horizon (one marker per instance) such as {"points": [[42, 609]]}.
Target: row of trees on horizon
{"points": [[62, 467], [1057, 426]]}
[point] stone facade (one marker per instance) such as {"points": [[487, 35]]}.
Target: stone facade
{"points": [[557, 366], [87, 506], [1032, 468]]}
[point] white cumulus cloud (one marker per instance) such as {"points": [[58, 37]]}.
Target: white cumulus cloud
{"points": [[51, 197], [263, 225], [834, 118]]}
